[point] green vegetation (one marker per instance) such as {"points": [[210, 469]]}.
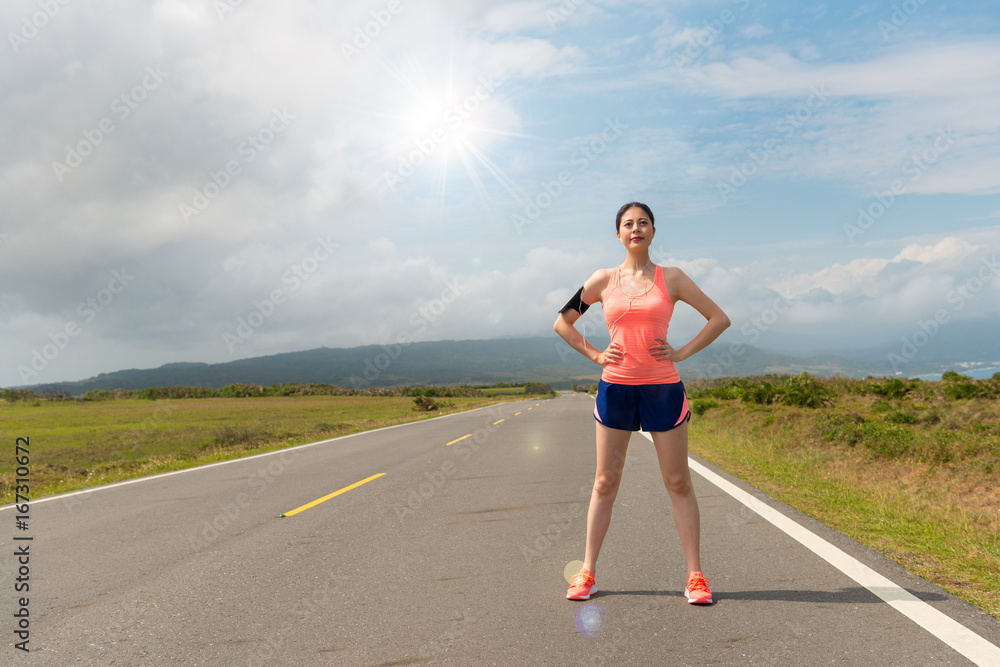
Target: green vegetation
{"points": [[909, 468], [111, 436], [505, 388]]}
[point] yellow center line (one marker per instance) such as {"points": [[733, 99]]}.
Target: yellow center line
{"points": [[467, 435], [497, 422], [335, 493], [516, 413]]}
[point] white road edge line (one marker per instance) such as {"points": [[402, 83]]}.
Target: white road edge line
{"points": [[951, 632], [113, 485]]}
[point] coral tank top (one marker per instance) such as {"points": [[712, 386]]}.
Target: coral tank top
{"points": [[634, 323]]}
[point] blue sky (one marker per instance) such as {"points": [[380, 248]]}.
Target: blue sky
{"points": [[208, 181]]}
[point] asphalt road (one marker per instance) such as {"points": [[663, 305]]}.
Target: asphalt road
{"points": [[454, 555]]}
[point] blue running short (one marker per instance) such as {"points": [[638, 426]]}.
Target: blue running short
{"points": [[649, 407]]}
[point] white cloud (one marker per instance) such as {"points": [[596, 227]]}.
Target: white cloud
{"points": [[877, 120], [356, 92], [875, 277], [950, 248]]}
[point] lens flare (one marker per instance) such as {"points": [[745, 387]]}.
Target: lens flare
{"points": [[572, 569], [591, 620]]}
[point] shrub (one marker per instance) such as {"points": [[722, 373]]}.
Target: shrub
{"points": [[427, 404], [538, 388], [763, 393], [900, 417], [722, 389], [881, 438], [12, 395], [700, 406], [804, 391], [961, 390], [155, 393], [895, 388], [840, 428], [238, 390]]}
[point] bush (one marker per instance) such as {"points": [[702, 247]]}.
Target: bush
{"points": [[238, 390], [726, 389], [156, 393], [12, 395], [804, 391], [900, 417], [964, 390], [961, 387], [889, 387], [427, 404], [764, 393], [840, 428], [700, 406], [105, 395], [881, 438]]}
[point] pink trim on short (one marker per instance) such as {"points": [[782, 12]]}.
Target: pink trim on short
{"points": [[685, 411]]}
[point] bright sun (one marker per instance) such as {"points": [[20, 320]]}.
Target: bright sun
{"points": [[435, 126]]}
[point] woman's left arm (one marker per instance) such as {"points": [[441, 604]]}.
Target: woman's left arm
{"points": [[682, 288]]}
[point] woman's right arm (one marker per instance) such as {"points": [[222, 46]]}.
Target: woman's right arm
{"points": [[564, 326]]}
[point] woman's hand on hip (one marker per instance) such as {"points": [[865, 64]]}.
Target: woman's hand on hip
{"points": [[613, 355], [665, 351]]}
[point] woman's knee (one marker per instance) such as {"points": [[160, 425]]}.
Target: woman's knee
{"points": [[606, 484], [679, 485]]}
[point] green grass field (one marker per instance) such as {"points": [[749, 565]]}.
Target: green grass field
{"points": [[910, 470], [76, 445]]}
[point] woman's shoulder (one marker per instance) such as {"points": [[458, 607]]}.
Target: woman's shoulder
{"points": [[601, 276], [597, 283], [677, 282], [672, 273]]}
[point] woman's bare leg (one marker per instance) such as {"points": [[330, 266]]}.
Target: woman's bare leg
{"points": [[672, 451], [612, 444]]}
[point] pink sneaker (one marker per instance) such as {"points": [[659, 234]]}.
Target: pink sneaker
{"points": [[581, 586], [697, 591]]}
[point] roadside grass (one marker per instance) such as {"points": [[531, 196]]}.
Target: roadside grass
{"points": [[915, 477], [80, 445], [499, 391]]}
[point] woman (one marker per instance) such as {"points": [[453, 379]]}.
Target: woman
{"points": [[640, 387]]}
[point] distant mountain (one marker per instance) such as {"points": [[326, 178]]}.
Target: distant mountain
{"points": [[542, 359], [931, 348]]}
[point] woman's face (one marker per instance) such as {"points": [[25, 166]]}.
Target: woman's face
{"points": [[636, 229]]}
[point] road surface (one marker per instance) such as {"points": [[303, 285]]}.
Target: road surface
{"points": [[455, 554]]}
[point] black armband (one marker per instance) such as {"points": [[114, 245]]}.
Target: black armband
{"points": [[576, 303]]}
